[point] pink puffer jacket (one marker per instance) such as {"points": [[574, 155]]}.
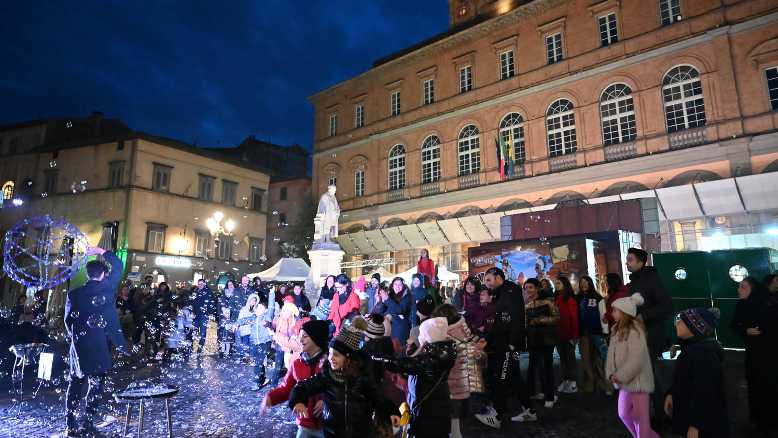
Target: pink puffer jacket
{"points": [[458, 378]]}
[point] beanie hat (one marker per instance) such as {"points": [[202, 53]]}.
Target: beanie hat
{"points": [[702, 322], [377, 276], [629, 305], [425, 306], [319, 332], [350, 338], [375, 326]]}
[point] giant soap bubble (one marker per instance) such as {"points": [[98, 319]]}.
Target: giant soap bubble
{"points": [[41, 252]]}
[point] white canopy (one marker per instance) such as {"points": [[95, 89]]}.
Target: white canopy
{"points": [[444, 275], [286, 269]]}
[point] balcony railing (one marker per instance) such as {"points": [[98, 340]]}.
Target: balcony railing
{"points": [[470, 180], [396, 195], [687, 138], [430, 188], [518, 172], [563, 162], [620, 151]]}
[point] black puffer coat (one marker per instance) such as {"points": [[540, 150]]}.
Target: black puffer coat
{"points": [[699, 398], [508, 326], [348, 405], [428, 392], [657, 308]]}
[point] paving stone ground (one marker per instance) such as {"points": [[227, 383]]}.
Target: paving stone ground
{"points": [[216, 401]]}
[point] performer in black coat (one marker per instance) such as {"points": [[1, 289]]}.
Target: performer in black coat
{"points": [[92, 324], [203, 306]]}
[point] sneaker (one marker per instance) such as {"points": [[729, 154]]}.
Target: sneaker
{"points": [[525, 416], [538, 396], [489, 419], [563, 386], [548, 404], [572, 387]]}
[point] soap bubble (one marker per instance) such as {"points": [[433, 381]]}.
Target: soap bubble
{"points": [[44, 195], [98, 300], [96, 320], [53, 163], [74, 314]]}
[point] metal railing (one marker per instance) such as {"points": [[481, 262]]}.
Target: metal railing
{"points": [[563, 162], [470, 180], [396, 195], [430, 188], [687, 138]]}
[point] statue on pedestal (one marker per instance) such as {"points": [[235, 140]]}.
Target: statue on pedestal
{"points": [[326, 220]]}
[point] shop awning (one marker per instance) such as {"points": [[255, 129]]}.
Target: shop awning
{"points": [[712, 198]]}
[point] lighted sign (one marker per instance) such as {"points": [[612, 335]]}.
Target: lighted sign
{"points": [[680, 274], [174, 262], [737, 273]]}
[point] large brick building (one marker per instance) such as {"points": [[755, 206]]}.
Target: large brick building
{"points": [[670, 102]]}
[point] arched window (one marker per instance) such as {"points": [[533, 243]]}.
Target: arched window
{"points": [[397, 167], [430, 159], [684, 103], [617, 110], [8, 191], [512, 133], [469, 150], [560, 127]]}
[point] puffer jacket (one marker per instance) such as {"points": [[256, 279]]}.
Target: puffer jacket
{"points": [[699, 398], [285, 330], [629, 362], [542, 319], [349, 402], [301, 369], [258, 326], [508, 326], [428, 392], [459, 378]]}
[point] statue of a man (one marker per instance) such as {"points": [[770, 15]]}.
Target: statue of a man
{"points": [[327, 216]]}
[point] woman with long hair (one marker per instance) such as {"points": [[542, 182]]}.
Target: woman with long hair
{"points": [[426, 266], [568, 333], [322, 309], [467, 296], [629, 367], [542, 318], [345, 304], [592, 344], [399, 306]]}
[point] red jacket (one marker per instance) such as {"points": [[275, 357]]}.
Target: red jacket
{"points": [[299, 371], [426, 267], [568, 317], [339, 312], [623, 292]]}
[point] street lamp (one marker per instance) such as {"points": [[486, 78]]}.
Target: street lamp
{"points": [[215, 226]]}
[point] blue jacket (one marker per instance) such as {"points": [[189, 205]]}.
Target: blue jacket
{"points": [[589, 316], [401, 317], [92, 321]]}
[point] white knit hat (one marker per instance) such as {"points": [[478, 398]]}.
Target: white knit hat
{"points": [[433, 330], [629, 305]]}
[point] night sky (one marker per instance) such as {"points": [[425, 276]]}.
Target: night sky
{"points": [[197, 71]]}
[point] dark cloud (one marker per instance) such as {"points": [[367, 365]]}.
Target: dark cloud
{"points": [[198, 70]]}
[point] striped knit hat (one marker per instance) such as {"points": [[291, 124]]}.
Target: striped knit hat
{"points": [[377, 326], [702, 322], [349, 340]]}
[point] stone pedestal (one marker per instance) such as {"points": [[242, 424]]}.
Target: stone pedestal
{"points": [[325, 260]]}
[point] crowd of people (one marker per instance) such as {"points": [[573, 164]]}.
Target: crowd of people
{"points": [[373, 357]]}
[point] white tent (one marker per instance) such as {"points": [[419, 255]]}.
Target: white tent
{"points": [[444, 275], [286, 269]]}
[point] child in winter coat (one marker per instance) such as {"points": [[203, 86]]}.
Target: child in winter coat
{"points": [[258, 319], [350, 396], [696, 402], [428, 382], [180, 339], [461, 379], [629, 367], [285, 339]]}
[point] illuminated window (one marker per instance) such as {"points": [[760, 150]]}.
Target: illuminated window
{"points": [[512, 133], [469, 150], [684, 102], [507, 67], [397, 167], [560, 126], [465, 79], [8, 190], [430, 159], [618, 114]]}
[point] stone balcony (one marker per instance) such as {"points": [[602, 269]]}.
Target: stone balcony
{"points": [[620, 151], [563, 162], [430, 188], [470, 180], [687, 138]]}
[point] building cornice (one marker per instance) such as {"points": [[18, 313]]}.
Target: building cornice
{"points": [[709, 153], [561, 82], [523, 12]]}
